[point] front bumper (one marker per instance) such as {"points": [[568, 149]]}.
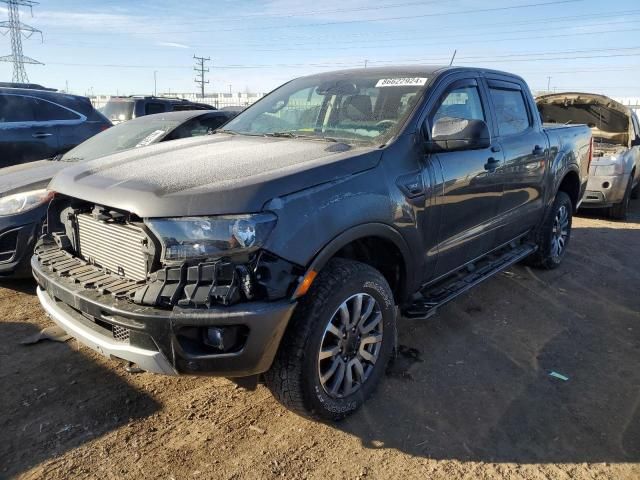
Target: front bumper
{"points": [[18, 234], [604, 191], [98, 320]]}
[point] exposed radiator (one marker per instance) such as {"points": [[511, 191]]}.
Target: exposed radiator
{"points": [[113, 246]]}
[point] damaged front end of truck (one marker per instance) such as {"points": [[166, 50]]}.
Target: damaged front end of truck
{"points": [[186, 295]]}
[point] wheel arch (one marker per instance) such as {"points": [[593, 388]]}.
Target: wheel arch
{"points": [[570, 184], [392, 257]]}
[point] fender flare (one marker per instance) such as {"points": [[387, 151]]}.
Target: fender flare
{"points": [[380, 230]]}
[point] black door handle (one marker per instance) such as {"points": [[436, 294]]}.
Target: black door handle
{"points": [[538, 150], [491, 164]]}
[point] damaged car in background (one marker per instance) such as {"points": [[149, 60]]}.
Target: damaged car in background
{"points": [[286, 245], [614, 175]]}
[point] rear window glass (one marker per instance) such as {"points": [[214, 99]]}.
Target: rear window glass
{"points": [[152, 108], [118, 111], [47, 111], [511, 111]]}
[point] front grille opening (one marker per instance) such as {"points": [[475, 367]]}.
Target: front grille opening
{"points": [[118, 248], [8, 245]]}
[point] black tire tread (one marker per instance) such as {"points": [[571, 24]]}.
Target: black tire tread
{"points": [[542, 257], [284, 376]]}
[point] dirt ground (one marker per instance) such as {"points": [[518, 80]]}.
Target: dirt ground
{"points": [[469, 396]]}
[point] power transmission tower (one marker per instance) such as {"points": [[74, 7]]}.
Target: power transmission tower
{"points": [[16, 30], [201, 70]]}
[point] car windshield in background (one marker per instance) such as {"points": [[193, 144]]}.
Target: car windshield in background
{"points": [[362, 108], [118, 111], [135, 133]]}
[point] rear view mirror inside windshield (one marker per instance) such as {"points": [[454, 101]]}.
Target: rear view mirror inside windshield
{"points": [[339, 87]]}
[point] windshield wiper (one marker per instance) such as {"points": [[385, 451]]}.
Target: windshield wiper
{"points": [[295, 135], [230, 132]]}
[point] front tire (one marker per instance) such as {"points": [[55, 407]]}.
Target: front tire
{"points": [[338, 343], [554, 234]]}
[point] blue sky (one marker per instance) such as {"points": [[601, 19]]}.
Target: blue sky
{"points": [[114, 46]]}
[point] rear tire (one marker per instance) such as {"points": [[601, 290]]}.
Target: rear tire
{"points": [[619, 210], [554, 234], [326, 367]]}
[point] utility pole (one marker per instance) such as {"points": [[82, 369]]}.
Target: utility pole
{"points": [[365, 62], [548, 84], [16, 30], [201, 70], [155, 83]]}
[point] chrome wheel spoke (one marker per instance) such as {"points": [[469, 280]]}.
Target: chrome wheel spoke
{"points": [[350, 345], [334, 330], [367, 312], [332, 352], [375, 321], [369, 357], [357, 366], [371, 339], [339, 377], [329, 373], [356, 311], [344, 315], [347, 387]]}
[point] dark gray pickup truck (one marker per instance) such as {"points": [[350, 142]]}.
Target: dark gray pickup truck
{"points": [[288, 245]]}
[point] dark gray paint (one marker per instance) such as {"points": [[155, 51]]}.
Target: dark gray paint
{"points": [[320, 196]]}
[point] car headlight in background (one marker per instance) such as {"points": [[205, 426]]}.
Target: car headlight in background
{"points": [[205, 237], [24, 201]]}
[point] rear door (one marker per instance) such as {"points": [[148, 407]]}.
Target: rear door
{"points": [[470, 192], [525, 149], [23, 138], [67, 125]]}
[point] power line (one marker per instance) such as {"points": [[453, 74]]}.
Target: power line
{"points": [[234, 45], [349, 22], [201, 70], [16, 29], [445, 58]]}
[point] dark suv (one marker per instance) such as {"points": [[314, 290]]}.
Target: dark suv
{"points": [[37, 124], [121, 109]]}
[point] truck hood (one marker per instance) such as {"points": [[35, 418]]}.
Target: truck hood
{"points": [[609, 120], [28, 176], [219, 174]]}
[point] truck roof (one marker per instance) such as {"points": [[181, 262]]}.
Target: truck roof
{"points": [[409, 70]]}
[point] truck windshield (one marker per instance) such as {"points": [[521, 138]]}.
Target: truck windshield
{"points": [[363, 108]]}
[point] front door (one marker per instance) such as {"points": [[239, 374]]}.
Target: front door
{"points": [[469, 191]]}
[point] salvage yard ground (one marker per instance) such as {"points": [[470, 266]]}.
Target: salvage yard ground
{"points": [[469, 396]]}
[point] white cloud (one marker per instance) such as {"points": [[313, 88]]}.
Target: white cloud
{"points": [[172, 44]]}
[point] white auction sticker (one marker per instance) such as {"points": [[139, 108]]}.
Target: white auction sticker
{"points": [[402, 82], [150, 138]]}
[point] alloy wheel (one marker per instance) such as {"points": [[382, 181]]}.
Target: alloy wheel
{"points": [[350, 345]]}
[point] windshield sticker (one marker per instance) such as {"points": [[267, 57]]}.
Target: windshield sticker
{"points": [[402, 82], [149, 139]]}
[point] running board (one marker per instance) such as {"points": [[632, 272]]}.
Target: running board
{"points": [[434, 296]]}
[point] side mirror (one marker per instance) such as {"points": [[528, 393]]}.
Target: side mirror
{"points": [[450, 134]]}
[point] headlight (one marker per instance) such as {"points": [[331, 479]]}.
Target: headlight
{"points": [[23, 202], [204, 237], [609, 170]]}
